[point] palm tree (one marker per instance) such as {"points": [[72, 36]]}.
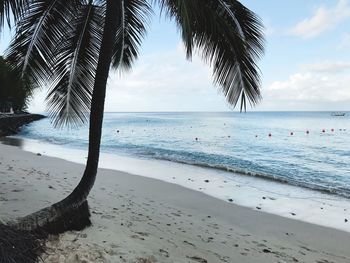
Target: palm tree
{"points": [[71, 46]]}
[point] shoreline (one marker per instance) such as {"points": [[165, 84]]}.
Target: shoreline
{"points": [[254, 193], [136, 217]]}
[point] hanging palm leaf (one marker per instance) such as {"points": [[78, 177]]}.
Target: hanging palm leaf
{"points": [[132, 18], [229, 37]]}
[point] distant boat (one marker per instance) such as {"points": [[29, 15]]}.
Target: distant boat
{"points": [[338, 114]]}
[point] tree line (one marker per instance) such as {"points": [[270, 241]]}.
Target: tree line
{"points": [[15, 90]]}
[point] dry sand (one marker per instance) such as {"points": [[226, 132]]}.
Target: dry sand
{"points": [[137, 218]]}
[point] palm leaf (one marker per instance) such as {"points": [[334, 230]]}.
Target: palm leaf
{"points": [[37, 34], [75, 66], [68, 68], [132, 20], [229, 37], [14, 8]]}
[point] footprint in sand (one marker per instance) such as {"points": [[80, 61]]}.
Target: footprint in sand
{"points": [[137, 237], [164, 253]]}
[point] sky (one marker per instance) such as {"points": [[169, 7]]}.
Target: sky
{"points": [[306, 65]]}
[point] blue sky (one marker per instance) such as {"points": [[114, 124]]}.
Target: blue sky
{"points": [[306, 65]]}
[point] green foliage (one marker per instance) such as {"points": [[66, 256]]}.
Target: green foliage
{"points": [[15, 91]]}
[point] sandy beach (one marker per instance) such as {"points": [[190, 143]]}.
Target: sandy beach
{"points": [[138, 219]]}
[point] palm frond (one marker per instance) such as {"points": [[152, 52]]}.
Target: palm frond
{"points": [[37, 34], [132, 20], [14, 8], [229, 37], [57, 45], [75, 66]]}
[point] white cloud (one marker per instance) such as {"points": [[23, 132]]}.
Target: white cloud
{"points": [[159, 82], [327, 67], [323, 20], [165, 81], [316, 87]]}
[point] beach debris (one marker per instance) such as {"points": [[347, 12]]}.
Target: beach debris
{"points": [[207, 181], [17, 190], [258, 207], [293, 214], [38, 154], [189, 243], [230, 200], [198, 259]]}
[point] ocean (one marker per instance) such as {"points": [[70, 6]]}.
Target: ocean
{"points": [[306, 149], [293, 164]]}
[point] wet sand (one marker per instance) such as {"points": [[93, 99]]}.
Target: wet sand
{"points": [[137, 218]]}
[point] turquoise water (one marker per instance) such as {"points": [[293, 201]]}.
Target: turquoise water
{"points": [[228, 141]]}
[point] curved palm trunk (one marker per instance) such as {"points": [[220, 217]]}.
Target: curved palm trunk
{"points": [[73, 210]]}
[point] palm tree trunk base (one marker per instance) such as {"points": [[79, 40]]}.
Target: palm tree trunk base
{"points": [[20, 246], [53, 220], [73, 219], [23, 241]]}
